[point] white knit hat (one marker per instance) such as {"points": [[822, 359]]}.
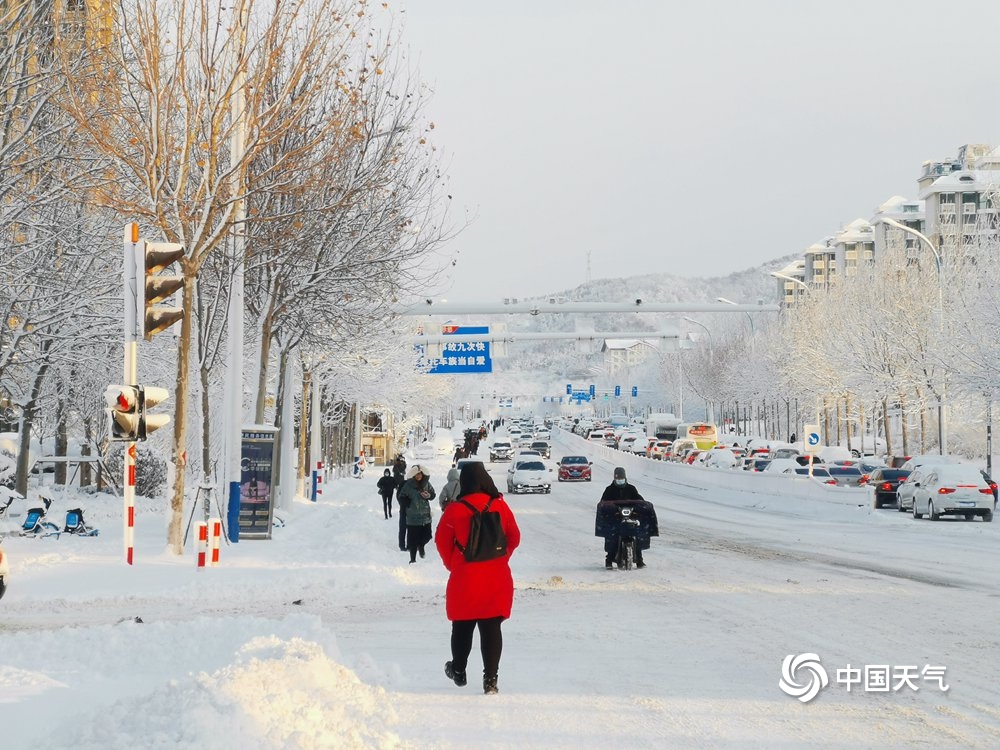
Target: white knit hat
{"points": [[411, 471]]}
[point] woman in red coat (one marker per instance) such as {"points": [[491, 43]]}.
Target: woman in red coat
{"points": [[479, 593]]}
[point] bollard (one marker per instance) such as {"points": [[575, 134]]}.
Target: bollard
{"points": [[202, 528], [216, 538]]}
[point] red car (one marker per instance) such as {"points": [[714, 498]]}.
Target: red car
{"points": [[574, 469]]}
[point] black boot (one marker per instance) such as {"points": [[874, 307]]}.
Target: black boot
{"points": [[490, 684], [452, 674], [607, 562]]}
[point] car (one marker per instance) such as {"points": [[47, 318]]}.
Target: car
{"points": [[720, 458], [4, 572], [574, 469], [627, 443], [759, 464], [660, 449], [529, 476], [425, 451], [525, 440], [952, 489], [542, 446], [501, 450], [819, 473], [846, 476], [992, 484], [778, 465], [784, 452], [913, 462], [463, 461], [884, 482], [904, 490]]}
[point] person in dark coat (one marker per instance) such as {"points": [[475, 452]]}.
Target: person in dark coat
{"points": [[617, 494], [387, 488], [415, 497], [479, 594], [399, 474]]}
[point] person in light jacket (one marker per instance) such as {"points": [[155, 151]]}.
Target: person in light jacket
{"points": [[415, 499], [450, 491], [479, 594]]}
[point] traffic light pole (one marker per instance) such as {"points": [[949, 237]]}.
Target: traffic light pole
{"points": [[133, 247]]}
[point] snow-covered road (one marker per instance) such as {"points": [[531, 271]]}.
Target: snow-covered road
{"points": [[685, 653]]}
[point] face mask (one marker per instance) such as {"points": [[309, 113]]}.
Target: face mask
{"points": [[619, 482]]}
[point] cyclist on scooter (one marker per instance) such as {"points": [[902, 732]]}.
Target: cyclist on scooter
{"points": [[617, 494]]}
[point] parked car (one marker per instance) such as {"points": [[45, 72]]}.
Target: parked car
{"points": [[529, 476], [952, 489], [574, 469], [784, 452], [542, 446], [845, 476], [501, 450], [884, 481]]}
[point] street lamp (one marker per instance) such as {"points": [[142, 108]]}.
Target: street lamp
{"points": [[942, 429], [749, 317], [794, 280], [711, 361]]}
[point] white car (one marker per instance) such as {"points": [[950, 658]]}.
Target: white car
{"points": [[951, 489], [529, 475], [720, 458]]}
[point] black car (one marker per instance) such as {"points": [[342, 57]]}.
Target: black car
{"points": [[885, 482]]}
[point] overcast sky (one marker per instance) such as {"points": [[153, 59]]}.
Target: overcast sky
{"points": [[692, 138]]}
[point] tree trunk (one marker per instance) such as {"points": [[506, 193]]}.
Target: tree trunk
{"points": [[906, 437], [85, 473], [27, 421], [206, 422], [267, 326], [304, 431], [61, 441], [885, 427]]}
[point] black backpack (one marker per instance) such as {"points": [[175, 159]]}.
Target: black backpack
{"points": [[487, 540]]}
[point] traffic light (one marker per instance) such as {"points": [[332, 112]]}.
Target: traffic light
{"points": [[569, 389], [618, 391], [635, 391], [123, 411], [156, 288], [150, 397], [593, 390]]}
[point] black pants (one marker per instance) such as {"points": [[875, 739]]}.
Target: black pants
{"points": [[416, 538], [611, 550], [387, 505], [490, 643], [402, 527]]}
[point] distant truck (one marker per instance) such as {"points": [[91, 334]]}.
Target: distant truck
{"points": [[662, 425]]}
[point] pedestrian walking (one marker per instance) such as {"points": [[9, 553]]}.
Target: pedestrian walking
{"points": [[415, 496], [399, 474], [450, 490], [387, 488], [479, 594]]}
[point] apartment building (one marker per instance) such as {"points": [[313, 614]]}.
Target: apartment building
{"points": [[956, 209]]}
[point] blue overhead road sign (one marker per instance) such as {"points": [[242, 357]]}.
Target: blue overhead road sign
{"points": [[463, 356]]}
